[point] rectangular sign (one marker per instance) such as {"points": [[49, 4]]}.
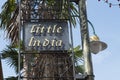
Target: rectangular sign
{"points": [[46, 36]]}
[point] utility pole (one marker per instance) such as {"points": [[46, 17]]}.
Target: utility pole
{"points": [[85, 40]]}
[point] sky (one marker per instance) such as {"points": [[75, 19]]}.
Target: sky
{"points": [[106, 23]]}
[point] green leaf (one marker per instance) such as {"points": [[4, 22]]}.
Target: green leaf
{"points": [[10, 55], [79, 69]]}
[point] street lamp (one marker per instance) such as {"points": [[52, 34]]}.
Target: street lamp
{"points": [[95, 44], [88, 45]]}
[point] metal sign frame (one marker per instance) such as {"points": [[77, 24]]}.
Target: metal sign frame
{"points": [[25, 17], [46, 36]]}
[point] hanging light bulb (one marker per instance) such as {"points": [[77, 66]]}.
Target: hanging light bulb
{"points": [[94, 38], [96, 45]]}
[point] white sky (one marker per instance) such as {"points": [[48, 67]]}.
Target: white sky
{"points": [[106, 22]]}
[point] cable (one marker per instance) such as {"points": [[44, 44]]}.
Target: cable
{"points": [[111, 4]]}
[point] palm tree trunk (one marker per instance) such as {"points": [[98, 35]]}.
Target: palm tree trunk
{"points": [[1, 72], [45, 66], [85, 40], [48, 67]]}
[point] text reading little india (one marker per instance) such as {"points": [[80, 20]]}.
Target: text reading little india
{"points": [[38, 30]]}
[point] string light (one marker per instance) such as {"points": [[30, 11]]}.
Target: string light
{"points": [[110, 3]]}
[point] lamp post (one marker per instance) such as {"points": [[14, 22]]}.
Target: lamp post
{"points": [[85, 40], [88, 46]]}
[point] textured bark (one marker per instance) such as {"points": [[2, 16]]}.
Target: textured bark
{"points": [[1, 72], [45, 66], [85, 40], [48, 67]]}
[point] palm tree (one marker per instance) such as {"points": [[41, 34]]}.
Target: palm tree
{"points": [[9, 21], [10, 54], [1, 72], [8, 18]]}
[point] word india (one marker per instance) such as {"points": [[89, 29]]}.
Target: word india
{"points": [[40, 40]]}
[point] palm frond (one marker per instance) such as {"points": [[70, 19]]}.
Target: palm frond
{"points": [[79, 69], [10, 13], [8, 18], [11, 56]]}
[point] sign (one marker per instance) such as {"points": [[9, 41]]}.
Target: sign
{"points": [[46, 36]]}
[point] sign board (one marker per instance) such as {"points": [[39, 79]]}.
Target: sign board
{"points": [[46, 36]]}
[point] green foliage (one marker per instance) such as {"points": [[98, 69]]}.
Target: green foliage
{"points": [[8, 19], [10, 12], [78, 58], [78, 52], [10, 54], [73, 12], [79, 69], [7, 12]]}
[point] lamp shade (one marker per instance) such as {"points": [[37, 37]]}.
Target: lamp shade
{"points": [[96, 46]]}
